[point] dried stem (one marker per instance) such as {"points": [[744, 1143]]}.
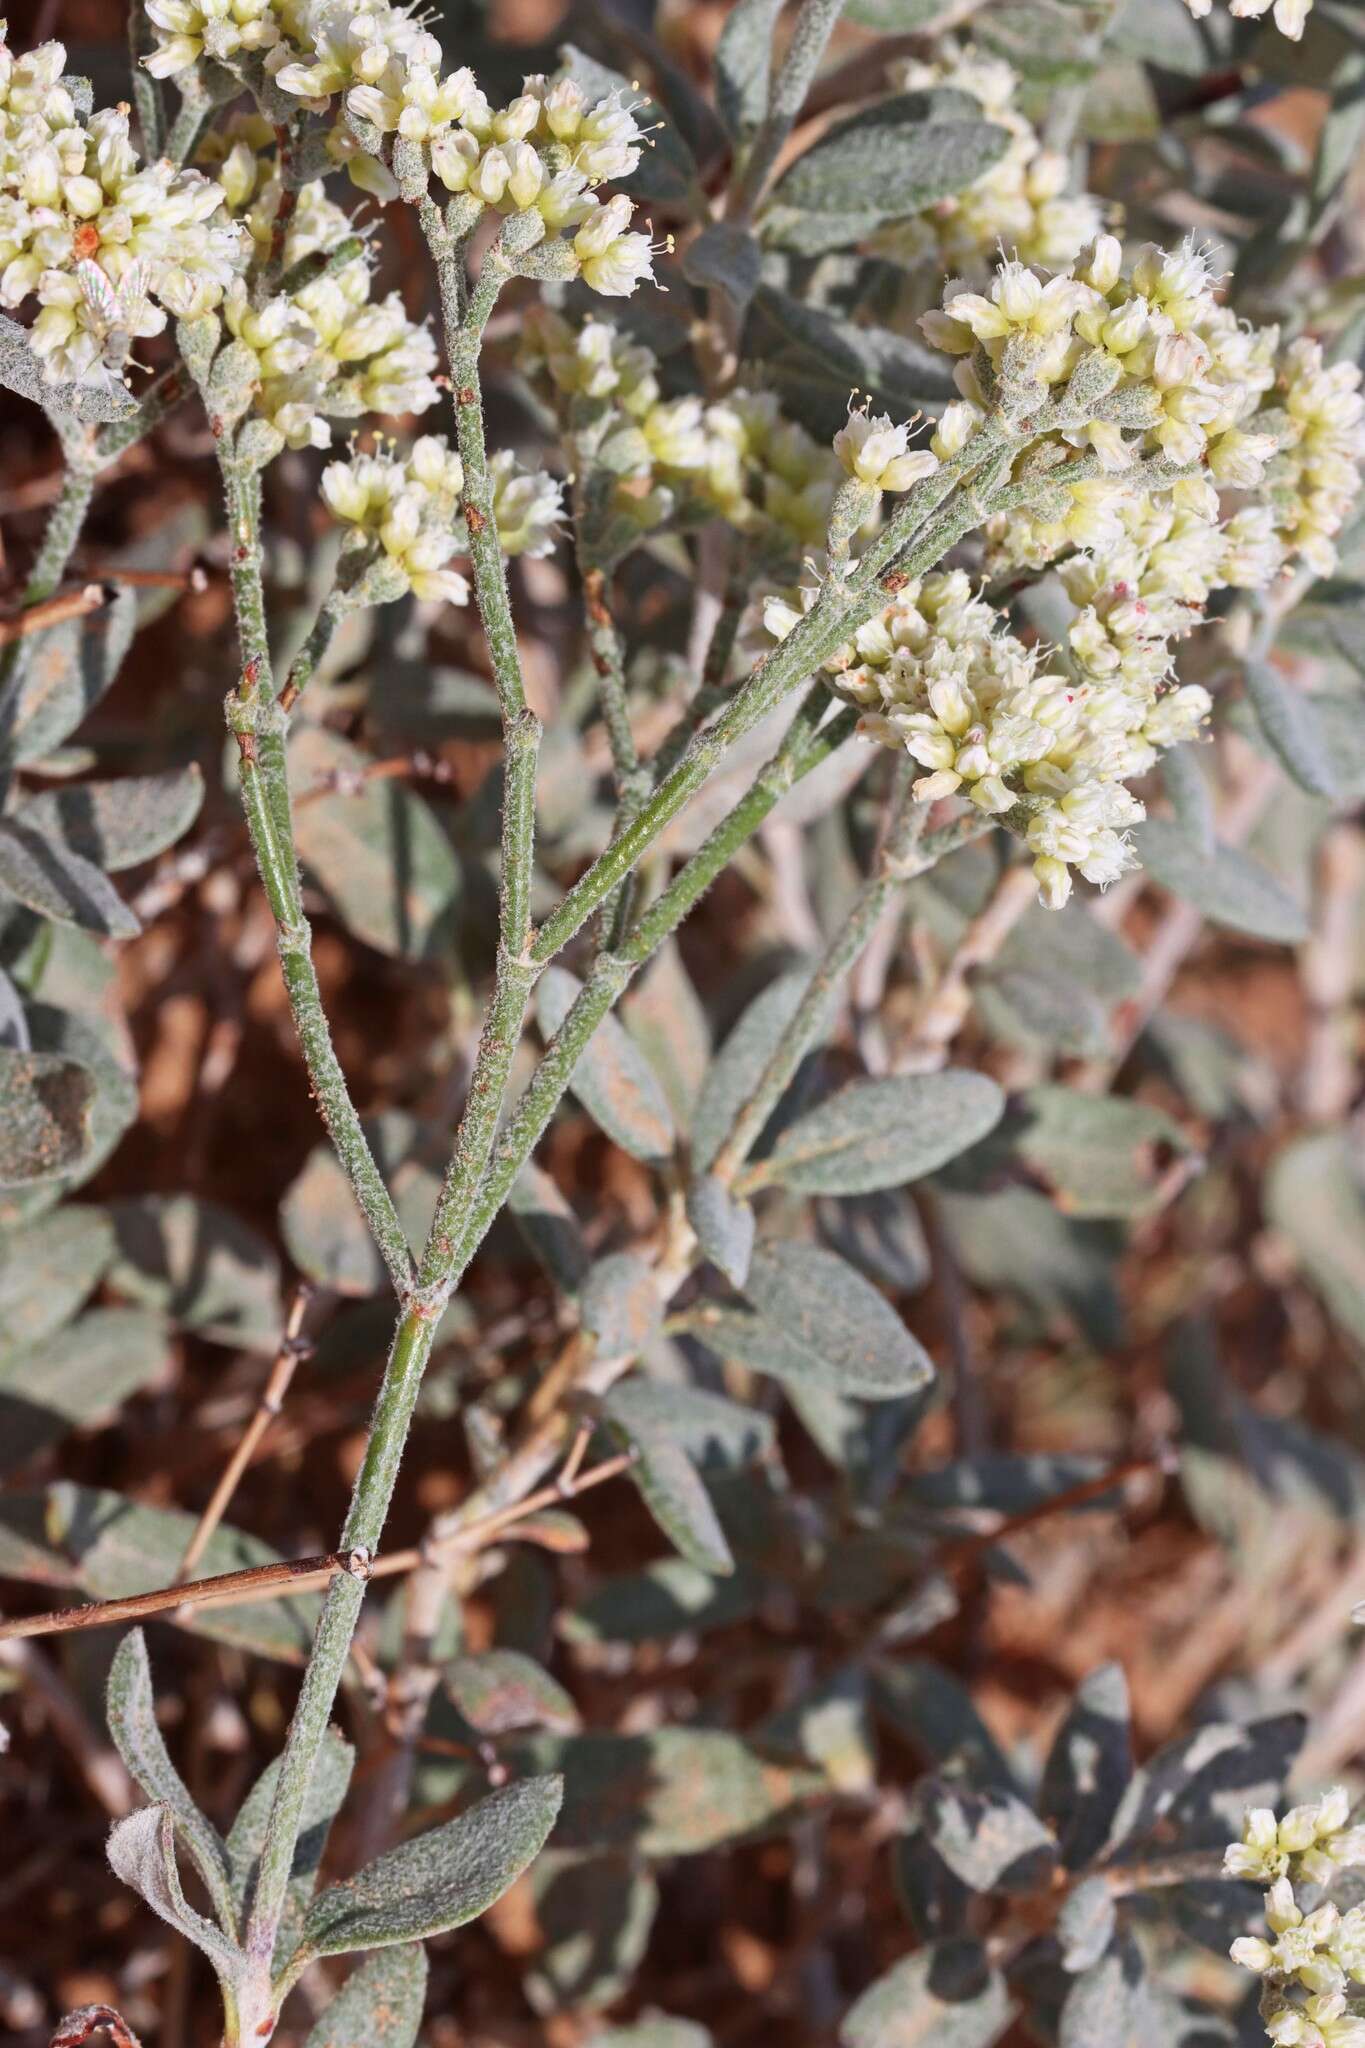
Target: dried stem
{"points": [[294, 1346], [946, 1009]]}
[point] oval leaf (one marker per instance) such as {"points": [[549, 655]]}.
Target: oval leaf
{"points": [[45, 1115], [613, 1080], [46, 876], [117, 824], [880, 1134], [379, 2005], [946, 1996], [831, 1322], [438, 1880], [1227, 886]]}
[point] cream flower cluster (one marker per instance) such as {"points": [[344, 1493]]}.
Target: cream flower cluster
{"points": [[107, 245], [739, 458], [937, 675], [1316, 1958], [410, 505], [406, 505], [543, 153], [1025, 203], [1290, 15], [1314, 481], [327, 349]]}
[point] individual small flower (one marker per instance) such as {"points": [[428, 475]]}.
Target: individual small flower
{"points": [[186, 30], [878, 454], [614, 259], [527, 506]]}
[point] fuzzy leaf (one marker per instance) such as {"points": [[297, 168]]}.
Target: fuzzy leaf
{"points": [[724, 1225], [813, 358], [1194, 1792], [1108, 2002], [1086, 1923], [115, 825], [619, 1305], [549, 1227], [115, 1547], [246, 1840], [21, 370], [895, 157], [671, 1489], [142, 1852], [1088, 1766], [613, 1080], [496, 1691], [674, 1792], [733, 1073], [1098, 1155], [594, 1917], [663, 1014], [375, 850], [69, 669], [715, 1433], [438, 1880], [990, 1840], [819, 1319], [1289, 725], [77, 1378], [45, 1116], [379, 2005], [881, 1134], [200, 1263], [47, 1269], [130, 1708], [946, 1996], [46, 876], [743, 60], [725, 258], [1227, 886], [667, 1598]]}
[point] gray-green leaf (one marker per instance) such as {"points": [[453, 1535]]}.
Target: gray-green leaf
{"points": [[48, 877], [671, 1489], [613, 1080], [115, 825], [68, 669], [496, 1691], [819, 1319], [1226, 885], [379, 2005], [142, 1852], [1290, 728], [895, 157], [438, 1880], [724, 1225], [45, 1116], [77, 1378], [880, 1134], [947, 1996], [130, 1707], [46, 1271]]}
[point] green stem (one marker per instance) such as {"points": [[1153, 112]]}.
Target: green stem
{"points": [[370, 1499], [803, 748], [633, 781], [932, 519], [256, 721], [904, 856]]}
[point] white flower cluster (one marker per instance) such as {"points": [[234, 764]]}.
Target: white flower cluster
{"points": [[1314, 481], [1290, 15], [326, 350], [1317, 1957], [108, 246], [410, 507], [407, 506], [1025, 203], [936, 674], [544, 153], [740, 458]]}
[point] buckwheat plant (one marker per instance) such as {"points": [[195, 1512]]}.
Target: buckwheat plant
{"points": [[931, 480]]}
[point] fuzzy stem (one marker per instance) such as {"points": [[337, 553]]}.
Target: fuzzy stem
{"points": [[255, 720], [922, 530]]}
